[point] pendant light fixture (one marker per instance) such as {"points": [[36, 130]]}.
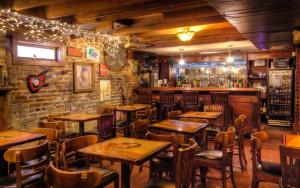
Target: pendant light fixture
{"points": [[229, 58], [181, 61], [186, 35]]}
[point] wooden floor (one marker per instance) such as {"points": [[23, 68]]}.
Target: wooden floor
{"points": [[243, 179]]}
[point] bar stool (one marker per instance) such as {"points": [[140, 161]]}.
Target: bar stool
{"points": [[191, 101], [166, 103], [222, 98]]}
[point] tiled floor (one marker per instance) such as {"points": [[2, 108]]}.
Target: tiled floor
{"points": [[243, 179]]}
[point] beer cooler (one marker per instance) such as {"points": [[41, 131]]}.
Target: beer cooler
{"points": [[281, 93]]}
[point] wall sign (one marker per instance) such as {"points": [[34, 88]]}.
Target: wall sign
{"points": [[103, 70], [105, 90], [74, 52], [259, 63], [92, 54]]}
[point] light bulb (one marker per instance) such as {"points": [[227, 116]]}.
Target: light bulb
{"points": [[181, 62], [229, 59]]}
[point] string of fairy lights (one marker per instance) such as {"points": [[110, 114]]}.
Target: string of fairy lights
{"points": [[44, 30]]}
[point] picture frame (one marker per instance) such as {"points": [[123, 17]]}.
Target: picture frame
{"points": [[105, 90], [83, 78], [259, 63]]}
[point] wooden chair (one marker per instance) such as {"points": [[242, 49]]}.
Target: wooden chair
{"points": [[222, 98], [174, 114], [166, 161], [219, 159], [150, 114], [51, 123], [73, 162], [53, 140], [262, 171], [26, 174], [191, 101], [239, 125], [166, 102], [139, 128], [106, 128], [184, 177], [289, 158], [145, 97], [84, 179], [214, 127]]}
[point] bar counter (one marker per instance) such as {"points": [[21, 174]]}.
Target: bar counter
{"points": [[242, 100]]}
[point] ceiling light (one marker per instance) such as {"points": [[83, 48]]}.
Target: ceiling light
{"points": [[229, 59], [185, 35]]}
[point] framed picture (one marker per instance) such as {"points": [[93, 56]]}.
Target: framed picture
{"points": [[259, 63], [105, 90], [83, 77], [73, 52]]}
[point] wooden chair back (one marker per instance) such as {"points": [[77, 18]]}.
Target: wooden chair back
{"points": [[176, 141], [106, 127], [239, 125], [107, 110], [84, 179], [174, 114], [226, 141], [288, 158], [58, 125], [70, 147], [145, 97], [220, 98], [166, 98], [185, 166], [37, 155], [257, 139], [190, 100], [139, 128], [216, 108], [53, 140]]}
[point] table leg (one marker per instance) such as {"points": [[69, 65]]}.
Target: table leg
{"points": [[81, 128], [3, 164], [127, 131], [125, 175]]}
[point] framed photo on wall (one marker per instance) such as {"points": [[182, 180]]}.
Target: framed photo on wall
{"points": [[105, 90], [83, 78]]}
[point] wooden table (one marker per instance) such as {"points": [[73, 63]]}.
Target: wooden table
{"points": [[127, 151], [129, 109], [202, 115], [293, 140], [80, 117], [12, 138]]}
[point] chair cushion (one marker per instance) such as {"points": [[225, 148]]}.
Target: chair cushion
{"points": [[10, 180], [269, 167], [159, 183], [210, 154], [108, 175]]}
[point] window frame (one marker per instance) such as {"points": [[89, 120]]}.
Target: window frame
{"points": [[37, 61]]}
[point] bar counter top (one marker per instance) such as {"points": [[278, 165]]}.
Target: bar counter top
{"points": [[201, 89]]}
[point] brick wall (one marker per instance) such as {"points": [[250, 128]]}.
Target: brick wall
{"points": [[26, 108], [297, 90]]}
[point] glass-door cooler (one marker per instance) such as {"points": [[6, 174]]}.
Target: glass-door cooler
{"points": [[280, 97]]}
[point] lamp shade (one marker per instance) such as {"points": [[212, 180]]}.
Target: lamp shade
{"points": [[185, 35]]}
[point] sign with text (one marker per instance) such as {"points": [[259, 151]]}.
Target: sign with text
{"points": [[74, 52], [92, 53], [103, 70]]}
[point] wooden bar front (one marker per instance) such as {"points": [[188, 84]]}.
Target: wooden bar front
{"points": [[243, 100]]}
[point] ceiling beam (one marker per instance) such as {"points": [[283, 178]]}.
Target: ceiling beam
{"points": [[168, 25], [141, 9], [204, 33], [197, 41], [19, 5], [80, 7]]}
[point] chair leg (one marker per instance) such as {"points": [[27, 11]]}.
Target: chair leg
{"points": [[231, 173], [116, 181], [254, 183], [203, 172], [241, 156], [244, 155], [224, 185]]}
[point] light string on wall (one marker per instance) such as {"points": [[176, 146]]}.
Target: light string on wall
{"points": [[44, 30]]}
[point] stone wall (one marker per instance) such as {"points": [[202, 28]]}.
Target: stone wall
{"points": [[26, 108]]}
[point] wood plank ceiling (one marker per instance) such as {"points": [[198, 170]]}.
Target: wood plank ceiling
{"points": [[267, 23], [153, 22]]}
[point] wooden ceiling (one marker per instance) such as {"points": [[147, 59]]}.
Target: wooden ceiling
{"points": [[267, 23], [156, 22]]}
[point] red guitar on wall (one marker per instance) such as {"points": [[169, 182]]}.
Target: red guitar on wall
{"points": [[36, 82]]}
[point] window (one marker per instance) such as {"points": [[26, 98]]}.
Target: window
{"points": [[45, 53], [36, 53]]}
